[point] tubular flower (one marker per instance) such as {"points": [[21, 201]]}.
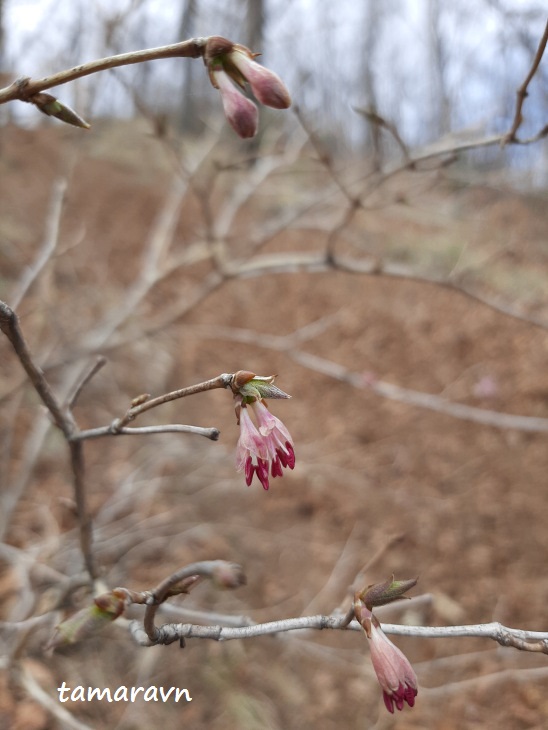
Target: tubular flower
{"points": [[268, 448], [241, 112], [394, 672]]}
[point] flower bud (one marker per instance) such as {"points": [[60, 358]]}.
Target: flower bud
{"points": [[241, 112], [216, 46], [396, 676], [267, 87], [52, 107], [380, 594], [227, 576], [90, 620], [256, 387]]}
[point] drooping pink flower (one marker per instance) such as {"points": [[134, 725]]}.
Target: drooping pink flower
{"points": [[267, 87], [263, 450], [394, 672], [240, 111], [279, 444]]}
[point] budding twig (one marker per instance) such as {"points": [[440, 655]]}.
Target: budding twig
{"points": [[24, 89], [222, 381], [224, 574]]}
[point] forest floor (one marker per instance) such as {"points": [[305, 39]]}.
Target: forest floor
{"points": [[461, 504]]}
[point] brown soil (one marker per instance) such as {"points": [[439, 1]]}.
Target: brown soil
{"points": [[468, 501]]}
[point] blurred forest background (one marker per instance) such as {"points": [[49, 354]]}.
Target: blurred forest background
{"points": [[378, 249]]}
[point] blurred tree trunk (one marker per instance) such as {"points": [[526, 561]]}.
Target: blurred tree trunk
{"points": [[373, 12], [254, 37], [5, 77], [254, 10], [1, 31], [440, 103], [189, 120]]}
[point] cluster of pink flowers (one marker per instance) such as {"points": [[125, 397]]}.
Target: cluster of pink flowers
{"points": [[265, 449], [229, 62]]}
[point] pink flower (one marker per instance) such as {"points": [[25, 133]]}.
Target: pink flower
{"points": [[240, 111], [393, 670], [267, 87], [268, 448]]}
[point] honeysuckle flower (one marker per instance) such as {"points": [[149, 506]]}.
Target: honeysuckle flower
{"points": [[264, 450], [229, 62], [241, 112], [394, 672]]}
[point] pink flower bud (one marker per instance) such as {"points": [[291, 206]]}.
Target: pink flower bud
{"points": [[241, 113], [267, 87], [394, 672]]}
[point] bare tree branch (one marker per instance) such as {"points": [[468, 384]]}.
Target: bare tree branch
{"points": [[429, 401], [94, 368], [64, 420], [24, 89], [66, 718], [49, 244], [522, 91], [222, 381], [94, 433], [533, 641]]}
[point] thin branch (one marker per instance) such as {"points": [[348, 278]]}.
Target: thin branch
{"points": [[66, 718], [374, 118], [49, 244], [94, 368], [9, 324], [221, 381], [522, 91], [24, 89], [94, 433], [84, 518], [429, 401], [533, 641], [221, 572], [318, 263]]}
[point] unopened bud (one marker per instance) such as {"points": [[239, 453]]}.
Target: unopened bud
{"points": [[267, 87], [90, 620], [257, 387], [216, 46], [380, 594], [52, 107], [240, 111], [140, 399], [227, 576]]}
